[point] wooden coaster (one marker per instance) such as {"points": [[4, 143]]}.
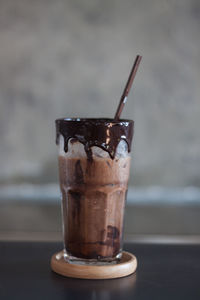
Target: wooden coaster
{"points": [[126, 266]]}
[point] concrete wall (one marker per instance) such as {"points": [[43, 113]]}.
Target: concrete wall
{"points": [[72, 58]]}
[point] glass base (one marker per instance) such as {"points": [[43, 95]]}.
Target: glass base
{"points": [[97, 262]]}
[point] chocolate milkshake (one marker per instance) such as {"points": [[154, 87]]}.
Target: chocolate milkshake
{"points": [[94, 162]]}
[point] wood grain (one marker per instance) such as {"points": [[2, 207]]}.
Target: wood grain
{"points": [[125, 267]]}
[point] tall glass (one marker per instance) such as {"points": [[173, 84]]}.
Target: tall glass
{"points": [[94, 163]]}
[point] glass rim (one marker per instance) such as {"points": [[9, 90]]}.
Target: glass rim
{"points": [[94, 120]]}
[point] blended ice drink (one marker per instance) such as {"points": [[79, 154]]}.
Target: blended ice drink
{"points": [[94, 163]]}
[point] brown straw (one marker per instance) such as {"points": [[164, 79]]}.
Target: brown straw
{"points": [[127, 87]]}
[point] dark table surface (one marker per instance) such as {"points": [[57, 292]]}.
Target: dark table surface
{"points": [[164, 272]]}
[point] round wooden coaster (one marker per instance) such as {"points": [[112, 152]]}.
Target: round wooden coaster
{"points": [[126, 266]]}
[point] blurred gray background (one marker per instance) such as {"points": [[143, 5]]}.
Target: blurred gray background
{"points": [[72, 59]]}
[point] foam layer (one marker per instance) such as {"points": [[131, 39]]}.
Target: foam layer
{"points": [[76, 149]]}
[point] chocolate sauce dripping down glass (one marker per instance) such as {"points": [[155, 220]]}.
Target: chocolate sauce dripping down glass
{"points": [[103, 133]]}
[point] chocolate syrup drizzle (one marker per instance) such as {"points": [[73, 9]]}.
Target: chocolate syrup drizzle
{"points": [[103, 133]]}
